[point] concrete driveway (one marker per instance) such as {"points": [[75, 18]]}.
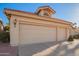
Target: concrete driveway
{"points": [[44, 49], [61, 49]]}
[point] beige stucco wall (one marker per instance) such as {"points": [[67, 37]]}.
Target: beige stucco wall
{"points": [[14, 32], [32, 20]]}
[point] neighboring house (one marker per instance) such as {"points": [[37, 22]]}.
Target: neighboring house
{"points": [[40, 27], [76, 30], [1, 26]]}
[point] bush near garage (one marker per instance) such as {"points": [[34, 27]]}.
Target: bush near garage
{"points": [[4, 37], [76, 36], [71, 38], [7, 28]]}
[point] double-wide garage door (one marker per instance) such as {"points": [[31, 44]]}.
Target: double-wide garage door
{"points": [[30, 34], [36, 34]]}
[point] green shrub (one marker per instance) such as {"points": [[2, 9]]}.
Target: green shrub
{"points": [[70, 38], [4, 37], [76, 36]]}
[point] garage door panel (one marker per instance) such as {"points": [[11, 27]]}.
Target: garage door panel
{"points": [[30, 34], [61, 34]]}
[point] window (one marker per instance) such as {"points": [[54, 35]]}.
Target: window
{"points": [[45, 14]]}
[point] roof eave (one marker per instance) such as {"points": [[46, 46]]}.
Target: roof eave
{"points": [[10, 12]]}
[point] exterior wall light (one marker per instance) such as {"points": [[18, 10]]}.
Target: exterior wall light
{"points": [[15, 21]]}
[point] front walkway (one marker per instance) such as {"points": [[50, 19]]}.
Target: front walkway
{"points": [[7, 50], [61, 49]]}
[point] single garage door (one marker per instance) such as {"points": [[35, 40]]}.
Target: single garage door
{"points": [[61, 34], [30, 34]]}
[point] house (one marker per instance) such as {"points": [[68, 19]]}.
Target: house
{"points": [[1, 26], [37, 28], [76, 30]]}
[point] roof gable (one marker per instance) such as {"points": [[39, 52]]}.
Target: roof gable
{"points": [[45, 11]]}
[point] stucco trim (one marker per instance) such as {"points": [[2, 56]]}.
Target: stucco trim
{"points": [[56, 34], [44, 20], [40, 24]]}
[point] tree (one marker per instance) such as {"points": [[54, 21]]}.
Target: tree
{"points": [[7, 27], [1, 26], [1, 22]]}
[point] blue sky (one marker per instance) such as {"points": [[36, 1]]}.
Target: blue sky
{"points": [[65, 11]]}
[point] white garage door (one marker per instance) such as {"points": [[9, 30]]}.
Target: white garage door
{"points": [[61, 34], [30, 34]]}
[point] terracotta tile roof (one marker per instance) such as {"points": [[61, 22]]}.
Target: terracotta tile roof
{"points": [[35, 15], [19, 11], [46, 7]]}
